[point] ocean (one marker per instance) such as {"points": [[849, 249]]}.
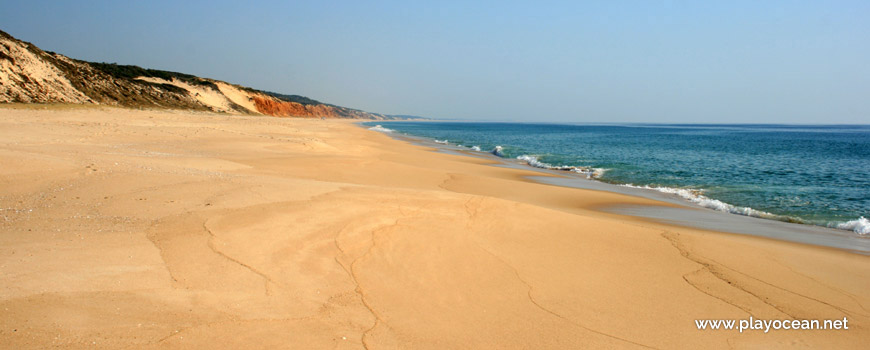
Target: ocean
{"points": [[809, 174]]}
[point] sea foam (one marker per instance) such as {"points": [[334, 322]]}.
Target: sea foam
{"points": [[443, 142], [535, 162], [696, 196], [380, 128], [860, 226]]}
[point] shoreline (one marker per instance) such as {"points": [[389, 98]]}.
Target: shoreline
{"points": [[164, 229], [687, 214]]}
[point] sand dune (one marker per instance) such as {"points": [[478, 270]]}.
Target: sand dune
{"points": [[237, 96], [157, 229], [214, 99], [26, 77]]}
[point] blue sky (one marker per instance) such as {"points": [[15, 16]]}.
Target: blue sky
{"points": [[603, 61]]}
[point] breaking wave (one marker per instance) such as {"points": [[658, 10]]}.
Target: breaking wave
{"points": [[697, 197], [498, 151], [535, 162], [443, 142], [475, 148], [860, 226], [380, 128]]}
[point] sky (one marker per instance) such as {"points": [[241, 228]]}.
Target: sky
{"points": [[573, 61]]}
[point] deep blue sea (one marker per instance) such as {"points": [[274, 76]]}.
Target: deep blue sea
{"points": [[808, 174]]}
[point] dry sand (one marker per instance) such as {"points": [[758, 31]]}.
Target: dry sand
{"points": [[156, 229]]}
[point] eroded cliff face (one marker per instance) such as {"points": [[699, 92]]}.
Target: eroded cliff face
{"points": [[31, 75], [272, 106], [27, 75]]}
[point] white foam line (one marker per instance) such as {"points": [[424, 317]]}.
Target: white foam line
{"points": [[589, 172], [860, 226], [380, 128]]}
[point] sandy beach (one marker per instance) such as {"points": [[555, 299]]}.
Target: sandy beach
{"points": [[165, 229]]}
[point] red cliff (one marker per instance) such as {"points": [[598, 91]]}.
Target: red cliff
{"points": [[275, 107]]}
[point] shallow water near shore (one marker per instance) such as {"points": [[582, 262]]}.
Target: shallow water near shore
{"points": [[704, 218], [690, 214], [806, 174]]}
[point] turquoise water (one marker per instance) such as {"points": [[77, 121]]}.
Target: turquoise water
{"points": [[808, 174]]}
